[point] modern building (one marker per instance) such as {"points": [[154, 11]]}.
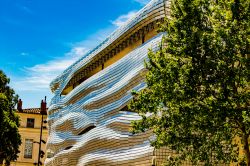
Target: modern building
{"points": [[89, 123], [30, 128]]}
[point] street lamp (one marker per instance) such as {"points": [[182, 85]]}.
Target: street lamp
{"points": [[42, 112]]}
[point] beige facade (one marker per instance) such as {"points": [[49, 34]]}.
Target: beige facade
{"points": [[30, 125]]}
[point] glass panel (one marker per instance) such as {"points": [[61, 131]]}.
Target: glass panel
{"points": [[28, 148], [30, 122]]}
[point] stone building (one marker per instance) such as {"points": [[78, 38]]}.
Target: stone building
{"points": [[30, 128]]}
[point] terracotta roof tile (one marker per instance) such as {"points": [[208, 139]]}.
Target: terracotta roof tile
{"points": [[30, 111]]}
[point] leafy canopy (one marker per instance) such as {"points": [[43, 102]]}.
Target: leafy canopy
{"points": [[197, 99], [9, 122]]}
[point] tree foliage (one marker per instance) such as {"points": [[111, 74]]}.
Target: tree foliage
{"points": [[9, 122], [197, 99]]}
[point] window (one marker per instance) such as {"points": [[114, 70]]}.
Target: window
{"points": [[143, 39], [28, 148], [30, 122], [86, 130], [69, 147]]}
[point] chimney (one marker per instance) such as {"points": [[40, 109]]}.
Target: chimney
{"points": [[44, 107], [20, 105]]}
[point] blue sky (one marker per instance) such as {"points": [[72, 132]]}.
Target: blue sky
{"points": [[41, 38]]}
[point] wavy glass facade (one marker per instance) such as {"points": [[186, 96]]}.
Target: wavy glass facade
{"points": [[88, 119]]}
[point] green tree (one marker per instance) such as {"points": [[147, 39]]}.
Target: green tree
{"points": [[197, 96], [10, 138]]}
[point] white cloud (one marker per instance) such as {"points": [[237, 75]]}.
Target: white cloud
{"points": [[24, 54], [142, 2], [38, 77], [93, 39], [24, 8], [121, 20], [59, 64]]}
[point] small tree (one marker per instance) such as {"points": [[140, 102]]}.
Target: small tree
{"points": [[197, 99], [10, 138]]}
